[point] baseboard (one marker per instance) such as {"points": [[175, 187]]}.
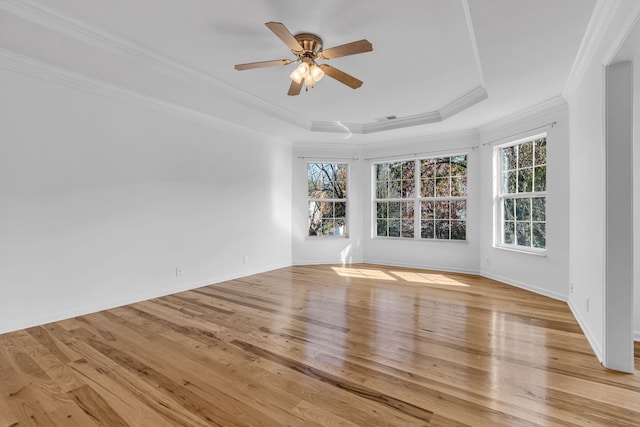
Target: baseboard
{"points": [[595, 345], [526, 286], [130, 299]]}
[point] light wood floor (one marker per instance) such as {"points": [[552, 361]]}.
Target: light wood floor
{"points": [[364, 345]]}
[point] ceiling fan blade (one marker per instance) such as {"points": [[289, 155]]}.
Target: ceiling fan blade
{"points": [[352, 48], [341, 76], [262, 64], [285, 35], [295, 88]]}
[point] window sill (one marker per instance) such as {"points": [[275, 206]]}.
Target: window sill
{"points": [[539, 253], [401, 239], [320, 238]]}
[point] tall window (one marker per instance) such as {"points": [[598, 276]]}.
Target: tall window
{"points": [[423, 198], [522, 194], [327, 195]]}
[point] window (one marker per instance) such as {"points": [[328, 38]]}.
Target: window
{"points": [[423, 198], [522, 194], [327, 196]]}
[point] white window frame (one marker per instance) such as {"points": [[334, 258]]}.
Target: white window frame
{"points": [[500, 197], [416, 200], [310, 199]]}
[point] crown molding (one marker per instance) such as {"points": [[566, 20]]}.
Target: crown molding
{"points": [[540, 112], [600, 21], [82, 30], [27, 66], [623, 33], [472, 40], [460, 104]]}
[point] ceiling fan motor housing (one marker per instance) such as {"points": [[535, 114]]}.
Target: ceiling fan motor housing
{"points": [[311, 45]]}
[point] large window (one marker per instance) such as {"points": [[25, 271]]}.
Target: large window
{"points": [[422, 198], [522, 168], [327, 196]]}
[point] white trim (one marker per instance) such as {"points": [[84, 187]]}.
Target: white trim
{"points": [[526, 286], [623, 33], [473, 40], [595, 344], [27, 66], [456, 106], [601, 19], [87, 32]]}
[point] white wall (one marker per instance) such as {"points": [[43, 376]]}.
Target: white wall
{"points": [[548, 274], [587, 226], [102, 201], [636, 198]]}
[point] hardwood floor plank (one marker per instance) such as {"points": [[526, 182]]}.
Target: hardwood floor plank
{"points": [[318, 345]]}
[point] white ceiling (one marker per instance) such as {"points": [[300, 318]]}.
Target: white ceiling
{"points": [[437, 65]]}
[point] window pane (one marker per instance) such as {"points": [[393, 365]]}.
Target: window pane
{"points": [[408, 188], [340, 228], [539, 235], [459, 166], [509, 232], [394, 189], [427, 230], [381, 227], [328, 227], [442, 187], [458, 186], [525, 180], [382, 210], [442, 229], [408, 170], [407, 210], [541, 151], [523, 209], [428, 188], [340, 210], [382, 172], [509, 182], [523, 233], [458, 230], [458, 209], [442, 209], [540, 182], [428, 168], [394, 228], [382, 190], [407, 228], [525, 155], [509, 209], [509, 158], [443, 167], [427, 210], [394, 210], [538, 210]]}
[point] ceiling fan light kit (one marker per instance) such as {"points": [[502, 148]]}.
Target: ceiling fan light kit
{"points": [[307, 48]]}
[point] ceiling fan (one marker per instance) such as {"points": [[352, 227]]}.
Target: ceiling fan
{"points": [[307, 48]]}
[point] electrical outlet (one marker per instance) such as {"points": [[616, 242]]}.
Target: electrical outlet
{"points": [[245, 259], [570, 288], [587, 304], [178, 272], [487, 260]]}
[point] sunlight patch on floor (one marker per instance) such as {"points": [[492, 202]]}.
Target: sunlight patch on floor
{"points": [[363, 273], [428, 278]]}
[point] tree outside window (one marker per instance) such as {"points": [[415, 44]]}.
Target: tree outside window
{"points": [[327, 198], [522, 194], [423, 198]]}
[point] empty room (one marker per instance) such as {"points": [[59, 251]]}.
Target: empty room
{"points": [[273, 213]]}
